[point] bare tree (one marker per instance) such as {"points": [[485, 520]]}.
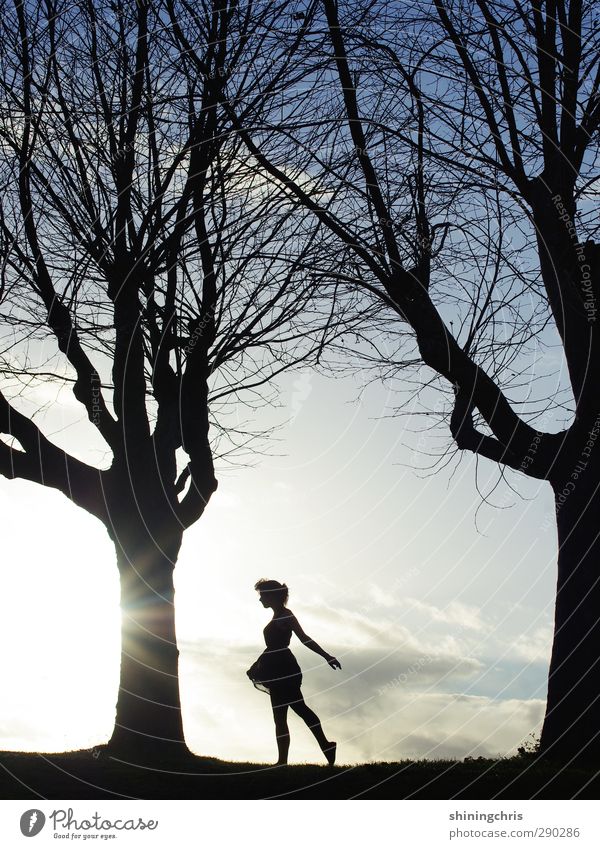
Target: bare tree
{"points": [[453, 149], [162, 278]]}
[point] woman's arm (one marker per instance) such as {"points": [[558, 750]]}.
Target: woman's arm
{"points": [[310, 643]]}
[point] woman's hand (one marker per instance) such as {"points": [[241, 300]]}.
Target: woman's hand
{"points": [[333, 662]]}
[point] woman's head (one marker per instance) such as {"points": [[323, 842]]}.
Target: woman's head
{"points": [[272, 593]]}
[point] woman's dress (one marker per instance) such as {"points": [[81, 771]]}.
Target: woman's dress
{"points": [[276, 671]]}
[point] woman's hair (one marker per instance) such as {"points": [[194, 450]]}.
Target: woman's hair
{"points": [[279, 592]]}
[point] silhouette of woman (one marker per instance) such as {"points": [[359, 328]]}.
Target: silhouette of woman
{"points": [[277, 673]]}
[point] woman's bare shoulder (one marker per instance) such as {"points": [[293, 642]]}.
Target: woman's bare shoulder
{"points": [[286, 616]]}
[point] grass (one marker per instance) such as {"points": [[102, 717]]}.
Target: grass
{"points": [[96, 774]]}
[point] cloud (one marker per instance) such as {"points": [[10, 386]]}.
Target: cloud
{"points": [[415, 683], [379, 706], [404, 724], [455, 613], [387, 629], [379, 597], [534, 646]]}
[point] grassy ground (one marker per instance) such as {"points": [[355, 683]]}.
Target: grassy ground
{"points": [[97, 775]]}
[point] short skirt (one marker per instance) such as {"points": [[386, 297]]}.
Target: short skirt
{"points": [[276, 672]]}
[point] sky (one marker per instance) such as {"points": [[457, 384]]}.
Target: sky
{"points": [[438, 605]]}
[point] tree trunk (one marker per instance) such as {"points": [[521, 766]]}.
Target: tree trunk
{"points": [[148, 724], [572, 723]]}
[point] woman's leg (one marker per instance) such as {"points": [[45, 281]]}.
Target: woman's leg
{"points": [[300, 707], [281, 730]]}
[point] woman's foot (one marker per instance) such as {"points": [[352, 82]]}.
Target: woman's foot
{"points": [[329, 752]]}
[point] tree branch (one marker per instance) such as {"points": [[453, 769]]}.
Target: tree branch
{"points": [[87, 386], [533, 462], [44, 463]]}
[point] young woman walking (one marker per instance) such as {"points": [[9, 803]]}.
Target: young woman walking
{"points": [[277, 673]]}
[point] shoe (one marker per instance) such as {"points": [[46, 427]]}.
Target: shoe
{"points": [[329, 752]]}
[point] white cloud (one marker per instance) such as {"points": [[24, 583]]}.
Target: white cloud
{"points": [[405, 719], [455, 613], [379, 596], [404, 724], [535, 646]]}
